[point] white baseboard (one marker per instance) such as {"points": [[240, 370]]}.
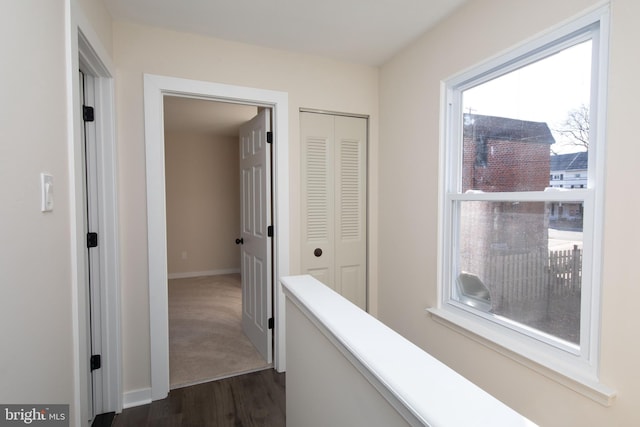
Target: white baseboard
{"points": [[136, 398], [203, 273]]}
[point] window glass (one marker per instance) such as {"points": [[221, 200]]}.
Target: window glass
{"points": [[523, 160], [525, 131], [515, 123], [513, 264]]}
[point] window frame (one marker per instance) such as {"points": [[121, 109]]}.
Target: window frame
{"points": [[578, 363]]}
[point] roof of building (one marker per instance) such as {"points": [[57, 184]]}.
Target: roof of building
{"points": [[571, 161], [503, 128]]}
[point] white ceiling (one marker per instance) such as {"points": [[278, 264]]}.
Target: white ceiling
{"points": [[362, 31]]}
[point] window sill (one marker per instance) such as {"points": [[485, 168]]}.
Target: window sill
{"points": [[592, 389]]}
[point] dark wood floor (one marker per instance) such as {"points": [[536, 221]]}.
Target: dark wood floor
{"points": [[256, 399]]}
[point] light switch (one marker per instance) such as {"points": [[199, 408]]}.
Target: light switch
{"points": [[46, 182]]}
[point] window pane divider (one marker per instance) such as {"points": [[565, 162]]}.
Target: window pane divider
{"points": [[524, 196]]}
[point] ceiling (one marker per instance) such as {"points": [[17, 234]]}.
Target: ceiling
{"points": [[202, 116], [363, 31]]}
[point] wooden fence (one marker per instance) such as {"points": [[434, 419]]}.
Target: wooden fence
{"points": [[534, 276]]}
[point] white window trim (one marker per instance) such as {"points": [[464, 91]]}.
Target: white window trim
{"points": [[576, 367]]}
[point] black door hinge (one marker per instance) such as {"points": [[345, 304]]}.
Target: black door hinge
{"points": [[87, 113], [269, 137], [92, 240], [95, 362], [271, 323], [270, 231]]}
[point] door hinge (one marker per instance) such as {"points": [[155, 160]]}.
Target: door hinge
{"points": [[270, 231], [271, 323], [269, 137], [92, 240], [87, 113], [95, 362]]}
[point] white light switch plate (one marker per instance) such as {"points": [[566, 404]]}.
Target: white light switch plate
{"points": [[46, 182]]}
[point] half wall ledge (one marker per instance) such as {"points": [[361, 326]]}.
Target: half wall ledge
{"points": [[345, 367]]}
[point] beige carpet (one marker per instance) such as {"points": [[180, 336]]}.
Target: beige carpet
{"points": [[206, 341]]}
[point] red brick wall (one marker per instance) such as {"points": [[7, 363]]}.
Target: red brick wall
{"points": [[488, 228], [509, 166]]}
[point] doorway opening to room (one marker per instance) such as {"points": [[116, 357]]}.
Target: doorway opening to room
{"points": [[219, 249]]}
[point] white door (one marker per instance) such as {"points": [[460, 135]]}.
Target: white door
{"points": [[92, 262], [317, 185], [350, 237], [334, 217], [256, 269]]}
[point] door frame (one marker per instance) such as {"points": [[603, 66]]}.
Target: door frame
{"points": [[155, 88], [85, 50]]}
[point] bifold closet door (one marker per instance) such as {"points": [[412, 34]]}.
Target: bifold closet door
{"points": [[334, 217]]}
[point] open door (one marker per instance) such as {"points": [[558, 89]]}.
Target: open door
{"points": [[256, 268]]}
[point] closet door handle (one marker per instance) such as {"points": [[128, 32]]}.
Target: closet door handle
{"points": [[240, 241], [318, 252]]}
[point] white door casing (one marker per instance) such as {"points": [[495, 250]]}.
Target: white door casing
{"points": [[334, 192], [155, 88], [255, 265]]}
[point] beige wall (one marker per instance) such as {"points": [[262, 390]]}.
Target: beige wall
{"points": [[36, 356], [100, 20], [311, 82], [203, 202], [409, 108]]}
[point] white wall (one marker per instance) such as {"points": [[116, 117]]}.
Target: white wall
{"points": [[311, 82], [36, 360], [203, 202], [409, 108]]}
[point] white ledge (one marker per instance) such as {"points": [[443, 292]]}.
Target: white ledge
{"points": [[422, 389], [591, 388]]}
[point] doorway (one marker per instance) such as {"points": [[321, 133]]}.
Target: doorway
{"points": [[155, 88], [203, 209], [94, 209]]}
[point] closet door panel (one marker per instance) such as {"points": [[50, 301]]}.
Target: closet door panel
{"points": [[334, 202], [317, 147], [350, 210]]}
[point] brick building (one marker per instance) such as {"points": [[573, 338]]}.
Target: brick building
{"points": [[503, 155]]}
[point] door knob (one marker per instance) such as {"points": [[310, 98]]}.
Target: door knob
{"points": [[239, 241], [317, 252]]}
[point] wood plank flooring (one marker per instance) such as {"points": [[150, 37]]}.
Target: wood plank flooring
{"points": [[255, 399]]}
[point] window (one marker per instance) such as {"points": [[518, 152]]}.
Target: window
{"points": [[520, 259]]}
